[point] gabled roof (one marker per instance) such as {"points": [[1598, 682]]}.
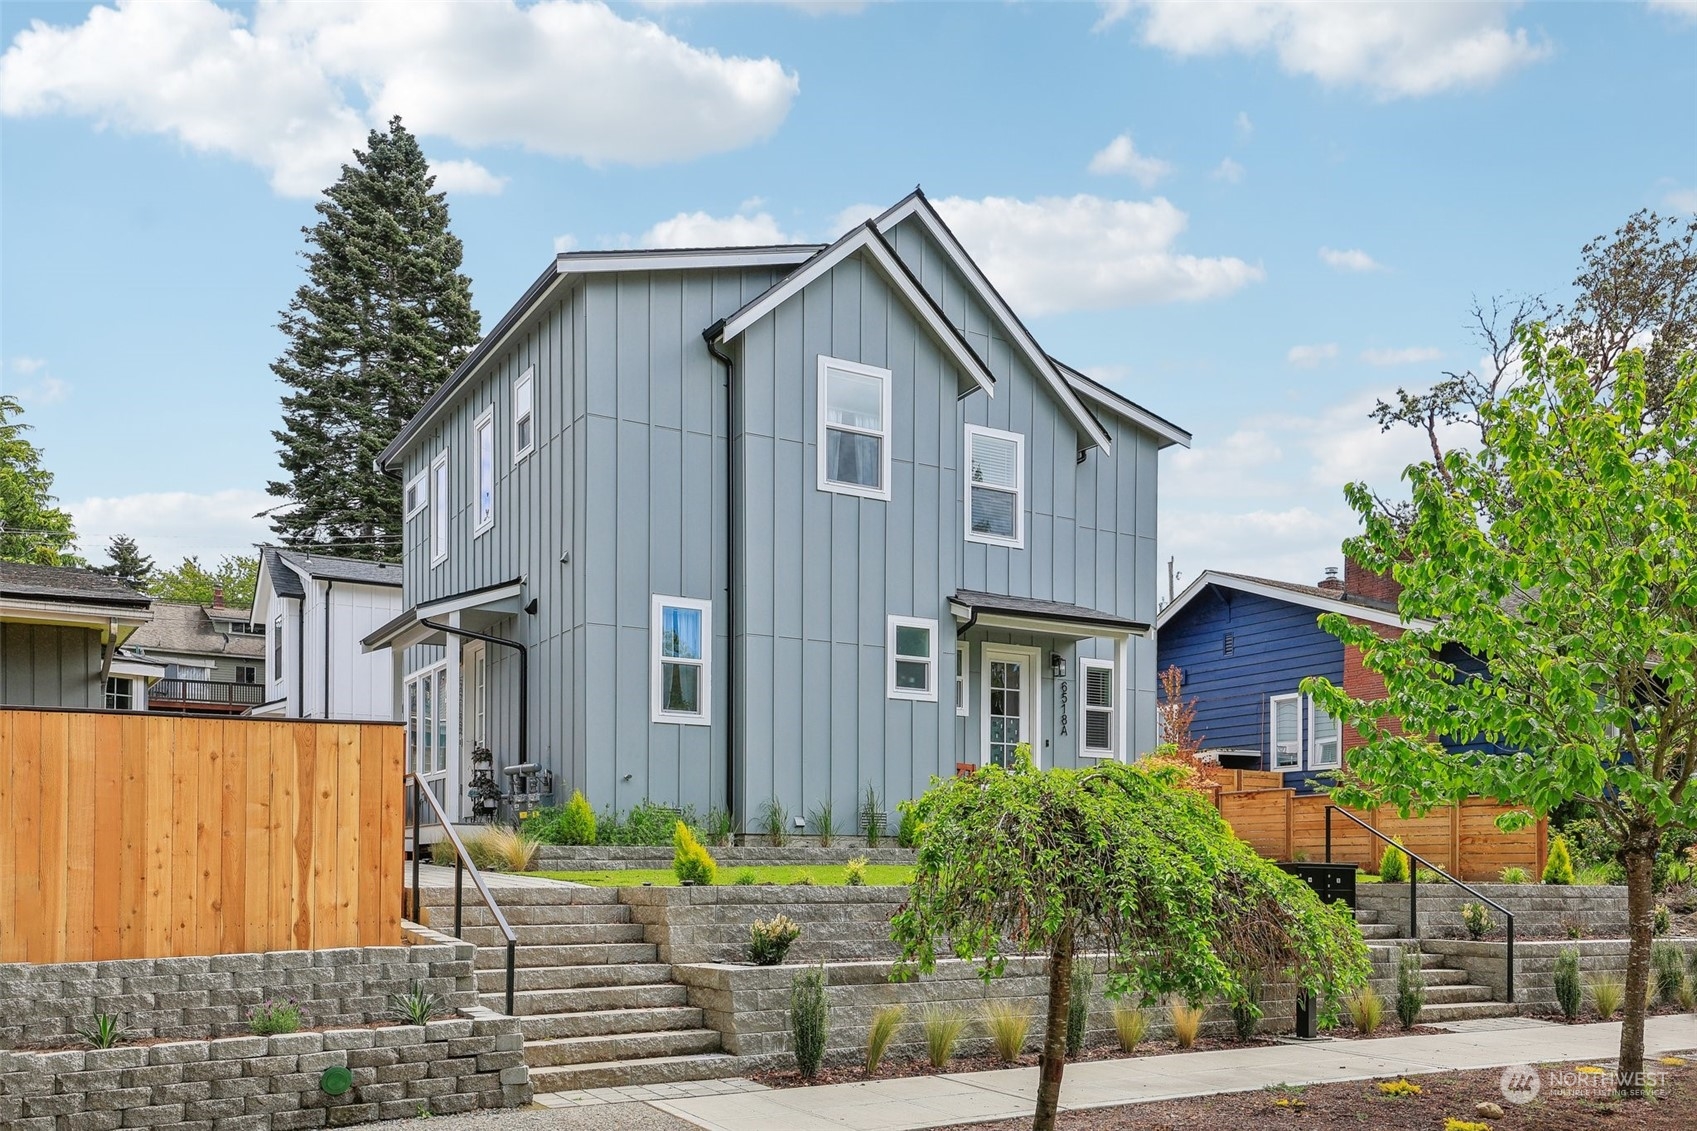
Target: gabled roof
{"points": [[63, 583], [288, 568], [1095, 391], [866, 240], [917, 206], [188, 629], [1309, 596]]}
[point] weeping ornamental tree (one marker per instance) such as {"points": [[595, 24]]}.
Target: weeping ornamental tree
{"points": [[1118, 860], [1563, 554]]}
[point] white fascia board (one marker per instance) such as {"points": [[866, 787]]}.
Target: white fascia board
{"points": [[865, 239], [483, 598], [1120, 406], [686, 259], [1279, 593], [917, 205]]}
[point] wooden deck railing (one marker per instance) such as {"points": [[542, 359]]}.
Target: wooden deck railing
{"points": [[208, 693]]}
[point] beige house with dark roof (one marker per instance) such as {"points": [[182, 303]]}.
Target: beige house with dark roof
{"points": [[213, 657]]}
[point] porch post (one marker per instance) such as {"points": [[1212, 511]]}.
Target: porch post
{"points": [[1123, 676], [454, 647]]}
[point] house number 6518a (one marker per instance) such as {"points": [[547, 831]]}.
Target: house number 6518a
{"points": [[1064, 700]]}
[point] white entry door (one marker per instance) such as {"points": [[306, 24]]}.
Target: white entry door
{"points": [[1010, 699]]}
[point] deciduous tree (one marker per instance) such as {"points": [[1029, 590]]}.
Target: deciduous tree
{"points": [[236, 574], [32, 529]]}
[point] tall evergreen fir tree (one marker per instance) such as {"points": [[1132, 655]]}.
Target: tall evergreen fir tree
{"points": [[384, 317], [128, 564]]}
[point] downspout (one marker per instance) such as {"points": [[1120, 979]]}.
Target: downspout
{"points": [[300, 652], [106, 660], [711, 336], [329, 584], [524, 676]]}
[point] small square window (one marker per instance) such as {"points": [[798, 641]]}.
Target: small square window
{"points": [[417, 494], [912, 648], [120, 694], [247, 673]]}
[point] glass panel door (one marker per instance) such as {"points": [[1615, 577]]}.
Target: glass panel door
{"points": [[427, 727], [1007, 708]]}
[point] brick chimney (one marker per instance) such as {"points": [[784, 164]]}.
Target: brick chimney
{"points": [[1362, 583], [1331, 580], [218, 596]]}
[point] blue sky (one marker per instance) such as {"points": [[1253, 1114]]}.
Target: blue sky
{"points": [[1251, 218]]}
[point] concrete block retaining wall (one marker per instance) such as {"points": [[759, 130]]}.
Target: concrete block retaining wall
{"points": [[271, 1083], [598, 858], [212, 995], [1535, 963], [1539, 909], [711, 924]]}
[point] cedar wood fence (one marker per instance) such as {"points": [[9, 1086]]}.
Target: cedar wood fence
{"points": [[151, 836]]}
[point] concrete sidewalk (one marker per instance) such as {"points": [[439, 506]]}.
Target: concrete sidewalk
{"points": [[935, 1101]]}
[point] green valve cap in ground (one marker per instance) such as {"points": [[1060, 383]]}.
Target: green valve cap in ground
{"points": [[335, 1081]]}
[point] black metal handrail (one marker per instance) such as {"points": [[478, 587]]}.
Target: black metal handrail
{"points": [[1414, 887], [462, 864]]}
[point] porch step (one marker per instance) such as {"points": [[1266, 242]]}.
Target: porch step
{"points": [[1377, 931], [1465, 1011], [613, 925], [494, 955], [629, 1073], [531, 1003], [627, 1047], [604, 1022], [610, 975], [539, 978], [535, 934]]}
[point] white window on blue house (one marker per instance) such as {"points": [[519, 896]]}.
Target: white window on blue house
{"points": [[911, 658], [524, 414], [854, 428], [681, 676], [961, 666], [439, 509], [483, 452], [418, 494], [995, 487], [1325, 741], [1099, 723], [1286, 729]]}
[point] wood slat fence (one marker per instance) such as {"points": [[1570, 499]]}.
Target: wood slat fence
{"points": [[147, 836]]}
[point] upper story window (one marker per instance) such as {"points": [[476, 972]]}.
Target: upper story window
{"points": [[247, 673], [1099, 722], [854, 428], [277, 649], [1286, 725], [417, 494], [995, 487], [439, 508], [483, 451], [911, 658], [1325, 742], [524, 414], [681, 676]]}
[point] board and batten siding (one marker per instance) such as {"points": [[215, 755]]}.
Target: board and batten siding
{"points": [[50, 665]]}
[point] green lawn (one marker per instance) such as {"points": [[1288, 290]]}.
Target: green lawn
{"points": [[824, 874]]}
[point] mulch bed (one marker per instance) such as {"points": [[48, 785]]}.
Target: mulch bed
{"points": [[1360, 1105]]}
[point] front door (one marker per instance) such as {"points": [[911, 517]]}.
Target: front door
{"points": [[1010, 699], [427, 730]]}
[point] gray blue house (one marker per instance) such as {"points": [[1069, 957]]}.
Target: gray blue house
{"points": [[773, 522]]}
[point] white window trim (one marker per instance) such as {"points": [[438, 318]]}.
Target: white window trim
{"points": [[963, 686], [929, 694], [886, 381], [485, 419], [444, 520], [1084, 708], [419, 488], [527, 379], [1273, 702], [704, 717], [1314, 762], [1018, 541]]}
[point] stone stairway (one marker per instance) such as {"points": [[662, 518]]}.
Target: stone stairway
{"points": [[597, 1006], [1449, 995]]}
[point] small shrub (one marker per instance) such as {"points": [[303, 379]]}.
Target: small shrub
{"points": [[855, 872], [825, 825], [1513, 875], [1607, 994], [770, 940], [809, 1018], [1558, 862], [1246, 1010], [1007, 1025], [416, 1006], [745, 878], [805, 880], [1393, 864], [691, 863], [102, 1030], [1451, 1123], [1186, 1021], [646, 824], [442, 853], [577, 821], [1131, 1025], [1663, 920], [502, 849], [942, 1030], [272, 1017], [1366, 1010], [1668, 967], [1477, 920], [871, 817], [1427, 876], [1078, 1009], [885, 1021], [907, 833], [1573, 926], [775, 823], [1397, 1089], [1569, 988], [719, 824], [1687, 996], [1410, 987]]}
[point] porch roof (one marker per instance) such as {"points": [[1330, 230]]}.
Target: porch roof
{"points": [[476, 609], [1058, 618]]}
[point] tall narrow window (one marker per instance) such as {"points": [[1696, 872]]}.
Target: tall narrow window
{"points": [[417, 494], [1287, 731], [961, 667], [854, 428], [483, 445], [439, 509], [995, 487], [1325, 743], [1099, 728], [277, 650], [911, 658], [681, 684], [524, 414]]}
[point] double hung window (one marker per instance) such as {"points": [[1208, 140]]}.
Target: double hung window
{"points": [[524, 414], [1100, 730], [680, 678], [439, 509], [1325, 743], [854, 428], [483, 453], [1286, 725], [995, 487]]}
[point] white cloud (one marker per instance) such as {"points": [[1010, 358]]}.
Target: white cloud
{"points": [[1354, 259], [171, 525], [807, 7], [1682, 200], [1409, 355], [467, 177], [567, 242], [28, 365], [1245, 127], [1111, 374], [698, 229], [853, 216], [1227, 170], [1088, 253], [1120, 156], [1392, 49], [31, 384], [1686, 8], [1307, 357], [277, 91]]}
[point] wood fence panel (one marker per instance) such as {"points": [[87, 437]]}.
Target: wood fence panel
{"points": [[152, 836], [1260, 817], [1486, 850]]}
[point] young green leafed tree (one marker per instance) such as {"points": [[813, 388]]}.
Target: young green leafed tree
{"points": [[236, 574], [1118, 859], [1561, 555], [384, 317], [32, 529]]}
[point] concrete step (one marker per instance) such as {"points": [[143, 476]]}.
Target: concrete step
{"points": [[542, 914], [532, 1003], [1455, 994], [623, 1046], [604, 1022], [593, 977], [530, 896], [494, 956], [1465, 1011], [1377, 931], [534, 934], [550, 977], [628, 1073]]}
